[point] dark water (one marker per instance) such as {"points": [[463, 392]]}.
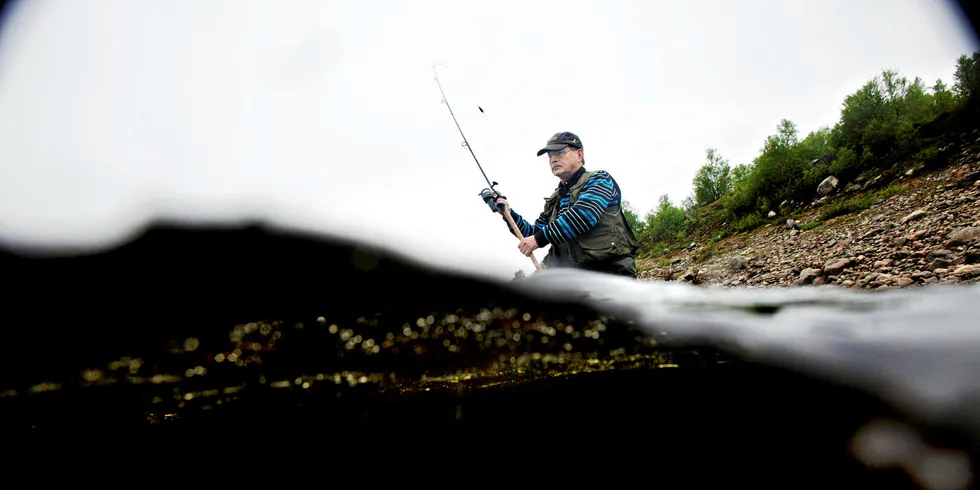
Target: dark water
{"points": [[204, 331]]}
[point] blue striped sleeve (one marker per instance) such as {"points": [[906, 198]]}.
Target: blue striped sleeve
{"points": [[527, 229], [599, 193]]}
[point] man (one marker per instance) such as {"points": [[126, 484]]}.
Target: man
{"points": [[582, 219]]}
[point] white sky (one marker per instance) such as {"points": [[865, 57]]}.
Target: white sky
{"points": [[323, 114]]}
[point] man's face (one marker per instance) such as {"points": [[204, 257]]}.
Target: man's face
{"points": [[564, 162]]}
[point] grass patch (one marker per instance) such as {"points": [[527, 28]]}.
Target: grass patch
{"points": [[656, 250], [892, 190], [748, 222], [703, 255], [811, 225], [841, 208]]}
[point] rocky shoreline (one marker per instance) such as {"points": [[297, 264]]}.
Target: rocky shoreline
{"points": [[929, 233]]}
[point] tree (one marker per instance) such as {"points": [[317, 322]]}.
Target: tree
{"points": [[779, 172], [967, 80], [943, 98], [638, 225], [666, 221], [786, 133], [739, 173], [713, 180], [878, 120], [688, 204]]}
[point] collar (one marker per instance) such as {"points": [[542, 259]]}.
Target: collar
{"points": [[573, 180]]}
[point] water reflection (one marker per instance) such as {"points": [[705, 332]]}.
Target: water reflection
{"points": [[458, 351]]}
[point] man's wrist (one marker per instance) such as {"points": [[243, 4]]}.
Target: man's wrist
{"points": [[540, 238]]}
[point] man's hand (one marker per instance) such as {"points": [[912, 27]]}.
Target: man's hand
{"points": [[527, 245], [503, 201]]}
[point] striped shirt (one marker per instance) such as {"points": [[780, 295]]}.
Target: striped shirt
{"points": [[598, 194]]}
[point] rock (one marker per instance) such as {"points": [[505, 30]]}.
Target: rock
{"points": [[871, 233], [883, 263], [712, 276], [827, 186], [808, 275], [772, 214], [937, 254], [937, 265], [913, 216], [917, 235], [834, 267], [972, 256], [967, 271], [900, 241], [969, 179], [963, 236], [738, 262], [903, 282]]}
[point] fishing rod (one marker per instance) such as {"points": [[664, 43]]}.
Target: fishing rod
{"points": [[490, 194]]}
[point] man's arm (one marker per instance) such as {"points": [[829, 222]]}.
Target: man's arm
{"points": [[527, 229], [599, 193]]}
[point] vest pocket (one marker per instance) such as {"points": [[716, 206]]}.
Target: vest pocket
{"points": [[606, 241], [601, 245]]}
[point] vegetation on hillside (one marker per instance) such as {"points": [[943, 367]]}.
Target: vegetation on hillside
{"points": [[887, 125]]}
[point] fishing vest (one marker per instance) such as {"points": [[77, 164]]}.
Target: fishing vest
{"points": [[611, 238]]}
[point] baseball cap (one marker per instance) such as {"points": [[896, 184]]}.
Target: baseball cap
{"points": [[559, 140]]}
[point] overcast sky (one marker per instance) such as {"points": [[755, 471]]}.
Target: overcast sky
{"points": [[325, 115]]}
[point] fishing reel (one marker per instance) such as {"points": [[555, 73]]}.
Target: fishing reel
{"points": [[488, 197]]}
